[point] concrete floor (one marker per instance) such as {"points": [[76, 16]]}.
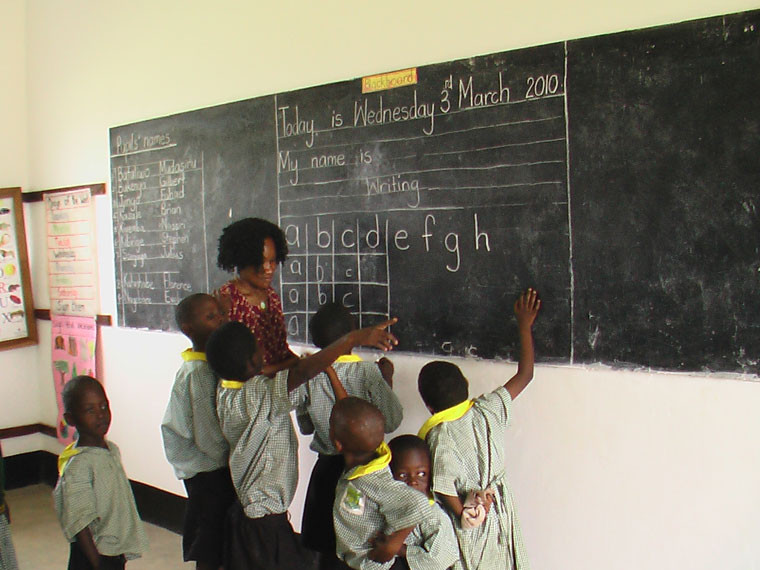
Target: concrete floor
{"points": [[40, 545]]}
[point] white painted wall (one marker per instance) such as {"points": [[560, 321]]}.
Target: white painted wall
{"points": [[611, 469]]}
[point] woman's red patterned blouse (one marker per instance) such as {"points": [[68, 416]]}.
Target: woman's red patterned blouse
{"points": [[268, 326]]}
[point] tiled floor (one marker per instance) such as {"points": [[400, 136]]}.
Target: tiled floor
{"points": [[40, 544]]}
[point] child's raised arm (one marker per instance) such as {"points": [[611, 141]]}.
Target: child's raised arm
{"points": [[526, 309], [310, 366]]}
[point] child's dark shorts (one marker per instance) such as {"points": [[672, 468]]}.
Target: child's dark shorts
{"points": [[209, 497], [78, 560], [266, 543], [317, 529]]}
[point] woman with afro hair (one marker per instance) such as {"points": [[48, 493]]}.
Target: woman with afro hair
{"points": [[253, 248]]}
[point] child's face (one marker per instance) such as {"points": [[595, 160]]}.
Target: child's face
{"points": [[91, 415], [413, 468], [207, 317]]}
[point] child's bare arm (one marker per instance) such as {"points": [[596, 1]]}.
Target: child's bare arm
{"points": [[87, 544], [453, 504], [310, 366], [386, 546], [526, 309], [337, 386], [386, 369], [272, 369]]}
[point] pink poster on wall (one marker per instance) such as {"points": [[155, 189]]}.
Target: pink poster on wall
{"points": [[73, 355]]}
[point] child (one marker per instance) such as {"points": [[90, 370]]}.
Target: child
{"points": [[466, 440], [254, 414], [93, 499], [432, 544], [7, 553], [373, 513], [314, 402], [193, 441]]}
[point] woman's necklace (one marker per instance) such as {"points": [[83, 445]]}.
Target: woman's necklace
{"points": [[251, 295]]}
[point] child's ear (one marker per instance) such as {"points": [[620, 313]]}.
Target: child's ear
{"points": [[69, 419], [187, 329], [338, 445]]}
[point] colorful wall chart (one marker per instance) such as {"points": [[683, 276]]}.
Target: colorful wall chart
{"points": [[74, 342], [71, 253]]}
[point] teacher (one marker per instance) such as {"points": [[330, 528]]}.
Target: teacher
{"points": [[253, 248]]}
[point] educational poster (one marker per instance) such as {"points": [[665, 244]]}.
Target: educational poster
{"points": [[17, 325], [74, 341], [71, 253]]}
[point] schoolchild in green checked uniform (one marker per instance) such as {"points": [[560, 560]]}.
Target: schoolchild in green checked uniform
{"points": [[466, 439]]}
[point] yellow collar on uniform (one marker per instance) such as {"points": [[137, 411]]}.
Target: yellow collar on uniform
{"points": [[382, 461], [190, 354], [447, 415], [63, 459], [349, 358], [234, 384]]}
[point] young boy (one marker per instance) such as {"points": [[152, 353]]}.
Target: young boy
{"points": [[432, 545], [193, 440], [373, 513], [7, 553], [254, 414], [314, 402], [93, 499], [466, 440]]}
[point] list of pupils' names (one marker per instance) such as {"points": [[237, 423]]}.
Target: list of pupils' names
{"points": [[437, 173], [157, 210]]}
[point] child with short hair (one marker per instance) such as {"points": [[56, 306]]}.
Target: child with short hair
{"points": [[314, 402], [193, 441], [466, 439], [93, 498], [254, 414], [7, 552], [432, 545], [373, 513]]}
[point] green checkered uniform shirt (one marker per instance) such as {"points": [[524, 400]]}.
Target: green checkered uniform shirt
{"points": [[93, 491], [316, 398], [193, 440], [255, 420]]}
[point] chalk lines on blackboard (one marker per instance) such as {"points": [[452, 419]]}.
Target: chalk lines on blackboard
{"points": [[348, 127], [423, 137], [488, 168], [571, 259], [367, 211], [143, 150]]}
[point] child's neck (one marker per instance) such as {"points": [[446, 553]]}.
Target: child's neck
{"points": [[354, 459], [86, 440]]}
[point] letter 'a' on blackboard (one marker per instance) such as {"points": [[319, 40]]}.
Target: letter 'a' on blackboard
{"points": [[613, 174]]}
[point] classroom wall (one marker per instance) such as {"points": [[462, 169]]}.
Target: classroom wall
{"points": [[610, 469]]}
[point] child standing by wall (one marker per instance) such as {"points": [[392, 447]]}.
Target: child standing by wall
{"points": [[314, 402], [93, 498], [254, 413], [193, 441], [466, 439]]}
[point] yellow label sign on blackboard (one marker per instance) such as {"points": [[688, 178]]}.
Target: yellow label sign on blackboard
{"points": [[390, 80]]}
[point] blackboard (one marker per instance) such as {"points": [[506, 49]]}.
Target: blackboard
{"points": [[617, 175]]}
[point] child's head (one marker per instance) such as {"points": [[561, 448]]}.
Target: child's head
{"points": [[330, 322], [410, 462], [86, 408], [232, 352], [442, 385], [356, 426], [198, 316]]}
